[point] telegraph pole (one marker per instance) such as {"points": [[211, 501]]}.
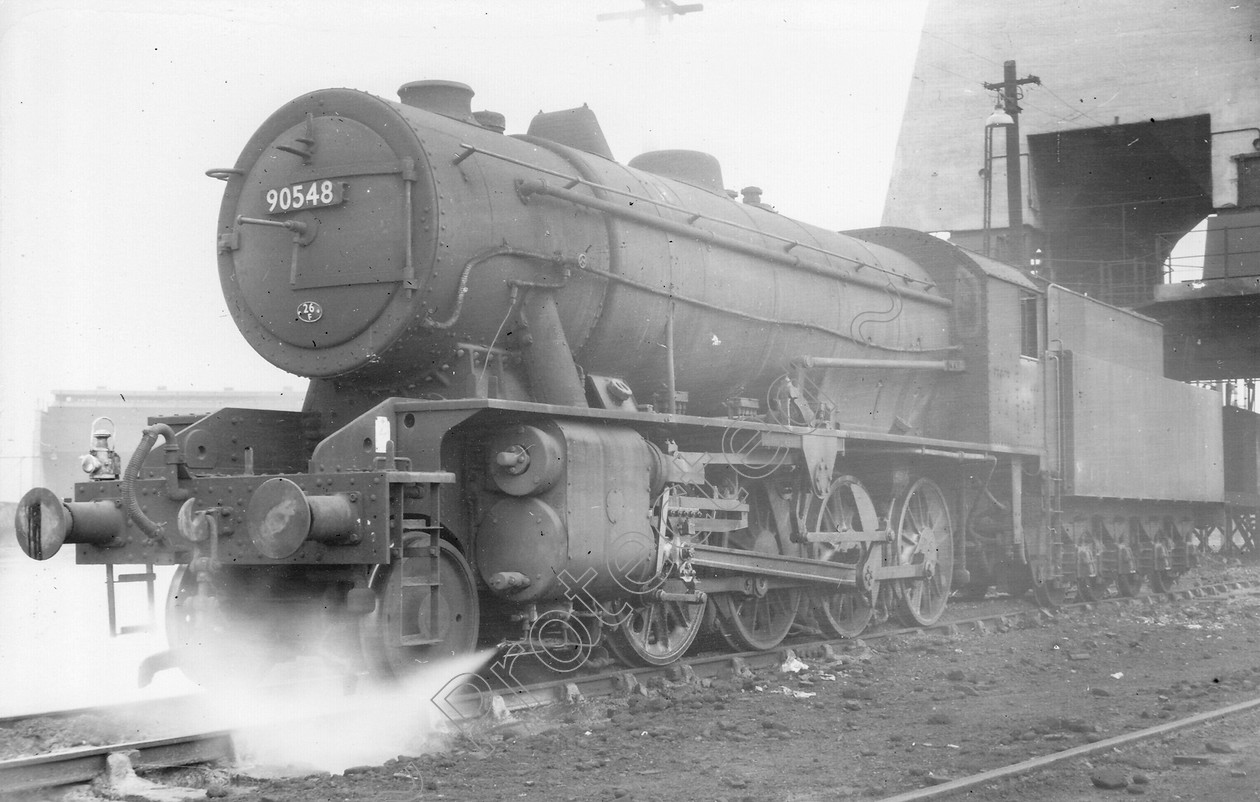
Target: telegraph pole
{"points": [[1009, 87]]}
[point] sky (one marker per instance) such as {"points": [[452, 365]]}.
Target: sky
{"points": [[111, 112]]}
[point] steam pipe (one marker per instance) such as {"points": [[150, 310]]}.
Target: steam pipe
{"points": [[553, 375]]}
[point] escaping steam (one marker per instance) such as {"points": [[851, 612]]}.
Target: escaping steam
{"points": [[318, 726]]}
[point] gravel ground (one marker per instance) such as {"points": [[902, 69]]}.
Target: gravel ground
{"points": [[873, 720], [878, 719]]}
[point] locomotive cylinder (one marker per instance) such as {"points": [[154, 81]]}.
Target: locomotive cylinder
{"points": [[575, 515]]}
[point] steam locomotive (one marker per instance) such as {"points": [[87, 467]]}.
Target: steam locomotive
{"points": [[557, 402]]}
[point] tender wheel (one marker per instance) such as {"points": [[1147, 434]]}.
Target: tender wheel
{"points": [[656, 633], [757, 623], [924, 534], [846, 508], [405, 632]]}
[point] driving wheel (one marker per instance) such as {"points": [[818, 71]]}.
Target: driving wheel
{"points": [[846, 508], [924, 535], [655, 633]]}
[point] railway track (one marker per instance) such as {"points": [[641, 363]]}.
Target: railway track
{"points": [[1025, 766], [80, 765], [724, 663]]}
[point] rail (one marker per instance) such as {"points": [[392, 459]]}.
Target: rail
{"points": [[1107, 744], [81, 765], [721, 665]]}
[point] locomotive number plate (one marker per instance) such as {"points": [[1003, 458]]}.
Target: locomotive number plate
{"points": [[310, 195]]}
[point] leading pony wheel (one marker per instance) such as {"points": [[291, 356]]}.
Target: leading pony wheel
{"points": [[407, 631]]}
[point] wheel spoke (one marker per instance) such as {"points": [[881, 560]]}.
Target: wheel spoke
{"points": [[923, 527], [752, 623], [917, 513], [844, 613], [656, 633]]}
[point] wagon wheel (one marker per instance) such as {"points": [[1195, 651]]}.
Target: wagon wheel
{"points": [[761, 619], [1089, 587], [845, 508], [924, 534], [655, 633], [403, 633], [1127, 582], [1161, 579]]}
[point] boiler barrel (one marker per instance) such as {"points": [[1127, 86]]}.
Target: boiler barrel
{"points": [[369, 238]]}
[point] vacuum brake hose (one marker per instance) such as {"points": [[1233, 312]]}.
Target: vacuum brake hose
{"points": [[130, 505]]}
